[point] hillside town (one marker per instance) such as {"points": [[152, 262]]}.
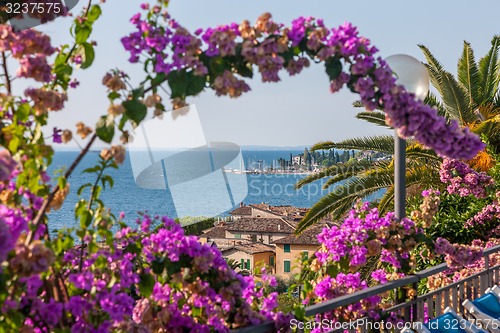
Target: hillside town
{"points": [[261, 235]]}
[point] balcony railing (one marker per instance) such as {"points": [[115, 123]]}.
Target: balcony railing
{"points": [[436, 301]]}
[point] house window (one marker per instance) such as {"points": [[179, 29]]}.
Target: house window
{"points": [[254, 238], [305, 255], [271, 261], [242, 264], [286, 266], [286, 248], [258, 215], [248, 263], [237, 236]]}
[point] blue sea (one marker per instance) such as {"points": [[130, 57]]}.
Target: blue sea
{"points": [[126, 196]]}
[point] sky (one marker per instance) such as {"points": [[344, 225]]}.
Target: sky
{"points": [[299, 110]]}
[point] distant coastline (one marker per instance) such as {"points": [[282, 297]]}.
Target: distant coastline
{"points": [[61, 148]]}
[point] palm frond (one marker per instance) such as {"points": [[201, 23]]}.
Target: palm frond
{"points": [[421, 175], [358, 104], [386, 203], [349, 169], [374, 117], [489, 127], [434, 68], [381, 143], [416, 151], [468, 74], [433, 101], [371, 167], [338, 202], [489, 72], [325, 145], [455, 100]]}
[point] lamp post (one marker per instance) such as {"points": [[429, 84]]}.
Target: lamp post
{"points": [[414, 77]]}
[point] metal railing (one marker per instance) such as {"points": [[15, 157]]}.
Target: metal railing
{"points": [[432, 303]]}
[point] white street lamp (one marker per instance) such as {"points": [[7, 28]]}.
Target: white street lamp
{"points": [[414, 77]]}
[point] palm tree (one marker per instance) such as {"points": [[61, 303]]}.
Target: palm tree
{"points": [[360, 178], [473, 99]]}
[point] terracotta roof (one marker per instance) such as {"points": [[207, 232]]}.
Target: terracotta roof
{"points": [[286, 211], [243, 210], [215, 232], [251, 248], [308, 237], [259, 224]]}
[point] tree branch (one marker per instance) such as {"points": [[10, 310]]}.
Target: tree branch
{"points": [[41, 213], [6, 74]]}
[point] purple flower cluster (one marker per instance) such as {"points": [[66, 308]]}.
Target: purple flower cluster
{"points": [[346, 248], [18, 206], [35, 67], [152, 41], [458, 255], [7, 165], [145, 282], [332, 287], [463, 180], [365, 233], [486, 215], [271, 47]]}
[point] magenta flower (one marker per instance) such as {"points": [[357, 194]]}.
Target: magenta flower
{"points": [[7, 165], [56, 136]]}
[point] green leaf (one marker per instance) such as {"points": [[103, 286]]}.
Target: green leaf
{"points": [[113, 95], [108, 179], [82, 32], [61, 182], [89, 55], [138, 92], [333, 68], [23, 112], [178, 82], [122, 122], [196, 84], [63, 73], [83, 187], [158, 266], [133, 248], [217, 66], [146, 285], [85, 219], [92, 169], [135, 110], [245, 70], [14, 143], [158, 79], [105, 129], [196, 312], [94, 13]]}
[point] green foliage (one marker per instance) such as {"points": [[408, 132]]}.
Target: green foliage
{"points": [[135, 110], [197, 228], [287, 303], [105, 129], [183, 84], [333, 68]]}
